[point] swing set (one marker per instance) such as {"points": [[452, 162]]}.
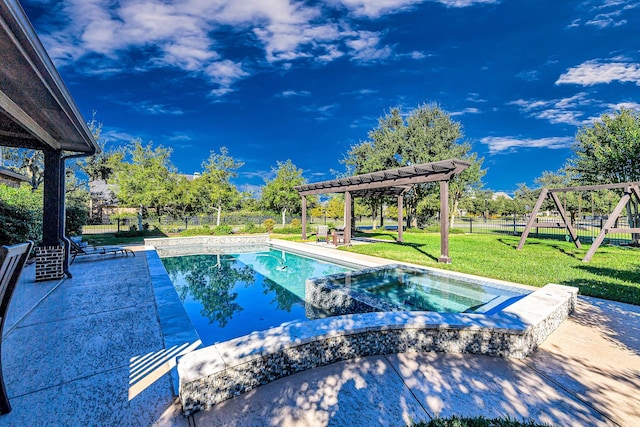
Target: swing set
{"points": [[630, 190]]}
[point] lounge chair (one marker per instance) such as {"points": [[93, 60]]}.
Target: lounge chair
{"points": [[322, 233], [12, 260], [78, 249], [338, 235]]}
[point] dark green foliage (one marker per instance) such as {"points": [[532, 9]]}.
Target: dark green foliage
{"points": [[18, 224], [478, 422], [251, 228], [77, 216], [289, 230], [222, 229]]}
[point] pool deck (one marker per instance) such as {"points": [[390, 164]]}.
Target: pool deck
{"points": [[90, 351]]}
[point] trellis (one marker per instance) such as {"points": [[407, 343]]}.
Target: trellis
{"points": [[630, 190]]}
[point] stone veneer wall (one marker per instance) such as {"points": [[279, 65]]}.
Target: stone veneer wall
{"points": [[222, 371], [49, 263]]}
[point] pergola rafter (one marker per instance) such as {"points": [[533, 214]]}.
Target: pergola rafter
{"points": [[390, 182]]}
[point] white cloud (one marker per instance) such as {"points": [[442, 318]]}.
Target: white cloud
{"points": [[377, 8], [292, 93], [108, 37], [564, 110], [470, 110], [321, 112], [154, 109], [625, 105], [605, 13], [498, 144], [597, 71], [466, 3]]}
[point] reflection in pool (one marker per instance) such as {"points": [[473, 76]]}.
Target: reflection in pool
{"points": [[227, 296]]}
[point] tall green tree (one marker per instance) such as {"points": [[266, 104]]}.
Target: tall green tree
{"points": [[426, 134], [148, 179], [214, 186], [279, 193], [102, 165], [608, 151]]}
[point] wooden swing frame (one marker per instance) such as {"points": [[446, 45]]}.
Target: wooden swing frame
{"points": [[630, 190]]}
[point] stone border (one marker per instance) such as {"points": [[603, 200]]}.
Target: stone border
{"points": [[213, 374], [178, 334]]}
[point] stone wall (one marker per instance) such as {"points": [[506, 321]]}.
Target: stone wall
{"points": [[222, 371]]}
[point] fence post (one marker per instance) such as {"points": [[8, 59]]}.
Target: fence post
{"points": [[186, 223], [514, 224], [470, 225], [118, 224]]}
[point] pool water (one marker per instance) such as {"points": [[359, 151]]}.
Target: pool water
{"points": [[228, 296], [412, 289]]}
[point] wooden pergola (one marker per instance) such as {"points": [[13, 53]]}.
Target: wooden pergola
{"points": [[630, 190], [38, 112], [390, 182]]}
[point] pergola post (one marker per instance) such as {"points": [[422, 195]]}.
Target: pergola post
{"points": [[400, 218], [444, 222], [304, 217], [347, 217]]}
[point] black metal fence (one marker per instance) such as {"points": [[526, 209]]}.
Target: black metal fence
{"points": [[587, 227]]}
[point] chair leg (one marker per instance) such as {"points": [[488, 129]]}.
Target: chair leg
{"points": [[5, 406]]}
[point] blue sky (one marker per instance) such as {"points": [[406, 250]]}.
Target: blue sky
{"points": [[305, 80]]}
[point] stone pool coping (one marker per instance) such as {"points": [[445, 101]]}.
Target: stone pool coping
{"points": [[210, 375]]}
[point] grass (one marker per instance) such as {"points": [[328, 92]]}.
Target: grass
{"points": [[122, 238], [613, 273]]}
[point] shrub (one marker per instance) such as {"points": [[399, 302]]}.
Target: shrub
{"points": [[18, 225], [251, 228], [296, 223], [289, 230], [196, 231], [268, 224], [77, 216], [222, 229]]}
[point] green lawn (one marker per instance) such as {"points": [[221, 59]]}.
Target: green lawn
{"points": [[613, 273]]}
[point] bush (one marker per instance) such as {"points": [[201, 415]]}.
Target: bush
{"points": [[289, 230], [18, 225], [77, 216], [268, 224], [196, 231], [222, 230], [251, 228], [296, 223]]}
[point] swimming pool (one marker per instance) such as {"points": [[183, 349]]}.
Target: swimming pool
{"points": [[227, 296]]}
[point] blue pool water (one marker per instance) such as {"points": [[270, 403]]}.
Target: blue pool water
{"points": [[227, 296], [413, 289]]}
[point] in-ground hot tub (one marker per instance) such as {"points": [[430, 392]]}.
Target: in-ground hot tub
{"points": [[400, 287]]}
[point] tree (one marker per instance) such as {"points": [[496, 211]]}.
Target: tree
{"points": [[608, 151], [214, 185], [279, 193], [102, 165], [428, 134], [148, 180]]}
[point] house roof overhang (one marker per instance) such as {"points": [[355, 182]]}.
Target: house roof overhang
{"points": [[387, 182], [36, 108]]}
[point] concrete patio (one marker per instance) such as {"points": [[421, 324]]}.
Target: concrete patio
{"points": [[89, 351]]}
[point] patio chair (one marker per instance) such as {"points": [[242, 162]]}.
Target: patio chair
{"points": [[322, 233], [338, 235], [12, 260], [78, 249]]}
